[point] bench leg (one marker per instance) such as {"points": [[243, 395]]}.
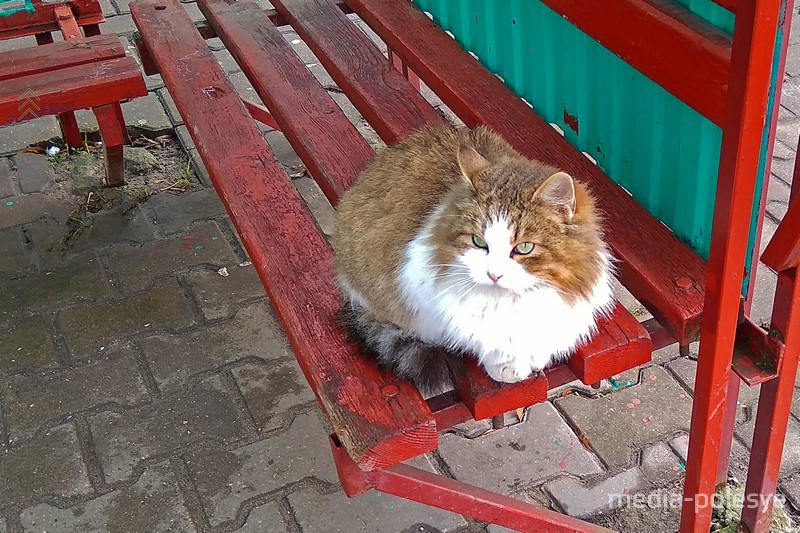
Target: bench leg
{"points": [[70, 130], [112, 132]]}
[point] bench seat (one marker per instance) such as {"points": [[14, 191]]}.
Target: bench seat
{"points": [[378, 420]]}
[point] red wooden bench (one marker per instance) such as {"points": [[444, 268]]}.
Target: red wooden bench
{"points": [[60, 78], [379, 422]]}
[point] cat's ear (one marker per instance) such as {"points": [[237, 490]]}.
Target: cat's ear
{"points": [[471, 162], [558, 190]]}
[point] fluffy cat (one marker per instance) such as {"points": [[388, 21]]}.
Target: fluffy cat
{"points": [[450, 242]]}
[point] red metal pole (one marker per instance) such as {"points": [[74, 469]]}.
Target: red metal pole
{"points": [[751, 64]]}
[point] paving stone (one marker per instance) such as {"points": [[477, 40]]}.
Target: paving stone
{"points": [[520, 455], [27, 345], [194, 12], [253, 332], [176, 212], [15, 137], [147, 113], [200, 168], [271, 391], [317, 203], [107, 227], [791, 446], [227, 61], [22, 209], [34, 172], [220, 296], [791, 488], [653, 512], [50, 467], [121, 24], [153, 504], [123, 440], [626, 420], [372, 512], [137, 267], [2, 525], [108, 8], [169, 104], [764, 291], [77, 279], [244, 87], [685, 369], [13, 256], [38, 400], [123, 6], [225, 479], [282, 149], [163, 306], [264, 519], [182, 132], [580, 501], [660, 466], [6, 178]]}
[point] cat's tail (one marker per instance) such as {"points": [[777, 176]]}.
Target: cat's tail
{"points": [[428, 367]]}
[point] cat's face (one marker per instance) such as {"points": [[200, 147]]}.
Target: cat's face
{"points": [[512, 229]]}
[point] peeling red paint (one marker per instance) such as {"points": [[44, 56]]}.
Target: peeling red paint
{"points": [[571, 120]]}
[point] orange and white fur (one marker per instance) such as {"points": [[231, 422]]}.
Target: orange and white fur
{"points": [[451, 243]]}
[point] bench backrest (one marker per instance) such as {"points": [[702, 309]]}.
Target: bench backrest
{"points": [[647, 104]]}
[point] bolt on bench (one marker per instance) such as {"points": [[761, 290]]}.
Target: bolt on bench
{"points": [[379, 422]]}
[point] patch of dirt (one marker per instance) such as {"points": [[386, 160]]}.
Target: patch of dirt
{"points": [[152, 166]]}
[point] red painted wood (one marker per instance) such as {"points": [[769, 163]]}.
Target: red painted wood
{"points": [[70, 130], [486, 398], [72, 88], [148, 65], [27, 61], [655, 266], [380, 421], [383, 96], [402, 67], [43, 19], [112, 132], [355, 481], [783, 250], [620, 344], [67, 23], [757, 354], [451, 495], [260, 113], [751, 63], [730, 5], [448, 410], [774, 405], [327, 142], [697, 64]]}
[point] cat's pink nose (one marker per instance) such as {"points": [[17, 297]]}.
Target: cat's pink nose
{"points": [[494, 277]]}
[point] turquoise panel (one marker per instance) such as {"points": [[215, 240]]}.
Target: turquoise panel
{"points": [[665, 154], [9, 7]]}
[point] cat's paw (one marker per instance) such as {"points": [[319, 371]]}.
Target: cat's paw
{"points": [[507, 372]]}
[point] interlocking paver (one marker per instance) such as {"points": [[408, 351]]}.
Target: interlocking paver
{"points": [[26, 345], [270, 391], [152, 504], [660, 465], [80, 278], [25, 208], [34, 172], [163, 306], [226, 479], [176, 212], [619, 423], [13, 256], [317, 203], [545, 444], [37, 400], [203, 412], [146, 113], [15, 138], [372, 512], [6, 179], [581, 501], [264, 519], [219, 296], [50, 467], [253, 332], [137, 267]]}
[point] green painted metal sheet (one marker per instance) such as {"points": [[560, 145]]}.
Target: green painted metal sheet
{"points": [[665, 154]]}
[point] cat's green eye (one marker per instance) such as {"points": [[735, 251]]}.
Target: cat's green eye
{"points": [[523, 248], [478, 241]]}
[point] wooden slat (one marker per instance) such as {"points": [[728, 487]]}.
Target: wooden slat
{"points": [[666, 42], [27, 61], [71, 88], [662, 272], [329, 145], [380, 93], [621, 343], [208, 32], [43, 19], [379, 421], [486, 398]]}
